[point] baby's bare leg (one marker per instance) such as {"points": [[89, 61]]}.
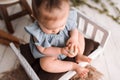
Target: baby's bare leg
{"points": [[80, 57], [81, 42], [53, 65]]}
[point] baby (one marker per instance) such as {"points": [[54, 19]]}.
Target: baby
{"points": [[54, 36]]}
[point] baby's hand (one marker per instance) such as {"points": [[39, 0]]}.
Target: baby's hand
{"points": [[66, 51], [73, 44], [72, 40], [71, 53], [73, 49]]}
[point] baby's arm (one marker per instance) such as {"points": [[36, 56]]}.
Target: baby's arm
{"points": [[50, 50], [54, 51], [76, 40], [73, 40], [74, 33], [73, 37], [81, 40]]}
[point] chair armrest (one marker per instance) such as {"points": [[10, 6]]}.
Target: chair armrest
{"points": [[24, 63]]}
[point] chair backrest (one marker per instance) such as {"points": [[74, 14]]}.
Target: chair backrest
{"points": [[24, 63], [91, 29]]}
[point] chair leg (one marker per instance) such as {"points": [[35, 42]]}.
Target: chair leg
{"points": [[4, 14], [6, 18], [6, 38], [1, 15], [27, 8]]}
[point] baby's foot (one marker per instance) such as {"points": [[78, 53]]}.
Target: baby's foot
{"points": [[82, 72], [82, 58]]}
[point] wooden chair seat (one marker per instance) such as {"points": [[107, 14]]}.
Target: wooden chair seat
{"points": [[25, 51], [4, 4]]}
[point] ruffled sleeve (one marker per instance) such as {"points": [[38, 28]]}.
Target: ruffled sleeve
{"points": [[36, 32], [71, 21]]}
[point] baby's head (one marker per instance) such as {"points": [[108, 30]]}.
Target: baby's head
{"points": [[51, 14]]}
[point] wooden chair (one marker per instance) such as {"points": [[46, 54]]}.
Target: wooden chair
{"points": [[4, 4], [6, 38], [89, 28], [25, 56]]}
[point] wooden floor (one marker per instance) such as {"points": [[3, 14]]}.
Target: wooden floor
{"points": [[108, 63]]}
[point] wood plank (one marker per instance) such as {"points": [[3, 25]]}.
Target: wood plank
{"points": [[7, 57], [112, 57], [100, 65], [2, 50], [19, 30], [8, 61], [108, 63]]}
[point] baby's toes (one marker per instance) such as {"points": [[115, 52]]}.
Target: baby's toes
{"points": [[89, 59], [83, 75]]}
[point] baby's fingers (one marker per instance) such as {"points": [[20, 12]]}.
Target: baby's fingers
{"points": [[84, 73], [64, 51], [68, 42], [75, 50]]}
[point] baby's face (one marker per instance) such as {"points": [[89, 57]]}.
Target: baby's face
{"points": [[58, 21]]}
